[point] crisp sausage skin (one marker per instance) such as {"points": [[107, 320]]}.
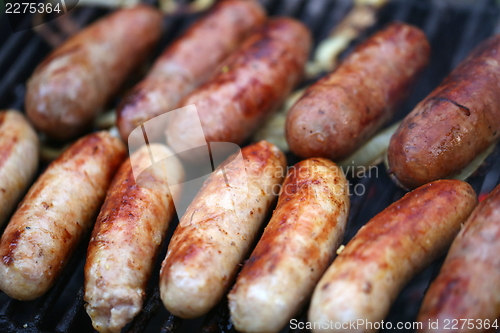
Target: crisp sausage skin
{"points": [[218, 229], [72, 85], [189, 61], [468, 285], [55, 213], [367, 276], [19, 147], [253, 82], [296, 248], [340, 112], [453, 124], [126, 238]]}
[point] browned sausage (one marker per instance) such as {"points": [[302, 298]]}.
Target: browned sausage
{"points": [[217, 230], [341, 111], [253, 82], [52, 218], [189, 61], [126, 239], [468, 286], [452, 125], [296, 248], [387, 252], [18, 160], [70, 87]]}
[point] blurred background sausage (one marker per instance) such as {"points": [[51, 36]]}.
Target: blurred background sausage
{"points": [[52, 218], [453, 124], [189, 61], [252, 83], [18, 160], [341, 111], [72, 85]]}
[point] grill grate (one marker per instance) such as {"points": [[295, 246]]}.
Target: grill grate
{"points": [[453, 28]]}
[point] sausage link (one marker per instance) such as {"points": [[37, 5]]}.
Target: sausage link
{"points": [[253, 82], [217, 230], [468, 285], [453, 124], [296, 248], [189, 61], [127, 237], [18, 160], [55, 213], [340, 112], [70, 87], [387, 252]]}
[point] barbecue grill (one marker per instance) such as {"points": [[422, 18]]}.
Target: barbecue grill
{"points": [[453, 28]]}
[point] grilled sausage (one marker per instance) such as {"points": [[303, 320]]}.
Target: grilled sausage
{"points": [[253, 82], [189, 62], [387, 252], [55, 213], [70, 87], [217, 230], [468, 286], [453, 124], [18, 160], [296, 248], [126, 239], [340, 112]]}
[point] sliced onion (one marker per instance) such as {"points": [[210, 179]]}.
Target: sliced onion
{"points": [[109, 3], [361, 17], [475, 164], [48, 153], [174, 7], [372, 152], [274, 129], [373, 3], [106, 120]]}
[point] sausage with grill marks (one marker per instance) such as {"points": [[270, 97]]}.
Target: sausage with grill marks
{"points": [[296, 248], [340, 112], [127, 237], [218, 229], [18, 160], [453, 124], [252, 83], [55, 213], [73, 84], [468, 285]]}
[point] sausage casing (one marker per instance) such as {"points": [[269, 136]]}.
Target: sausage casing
{"points": [[180, 69], [18, 160], [217, 230], [453, 124], [340, 112], [55, 213], [467, 286], [69, 88], [126, 238], [366, 277], [296, 248], [253, 82]]}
